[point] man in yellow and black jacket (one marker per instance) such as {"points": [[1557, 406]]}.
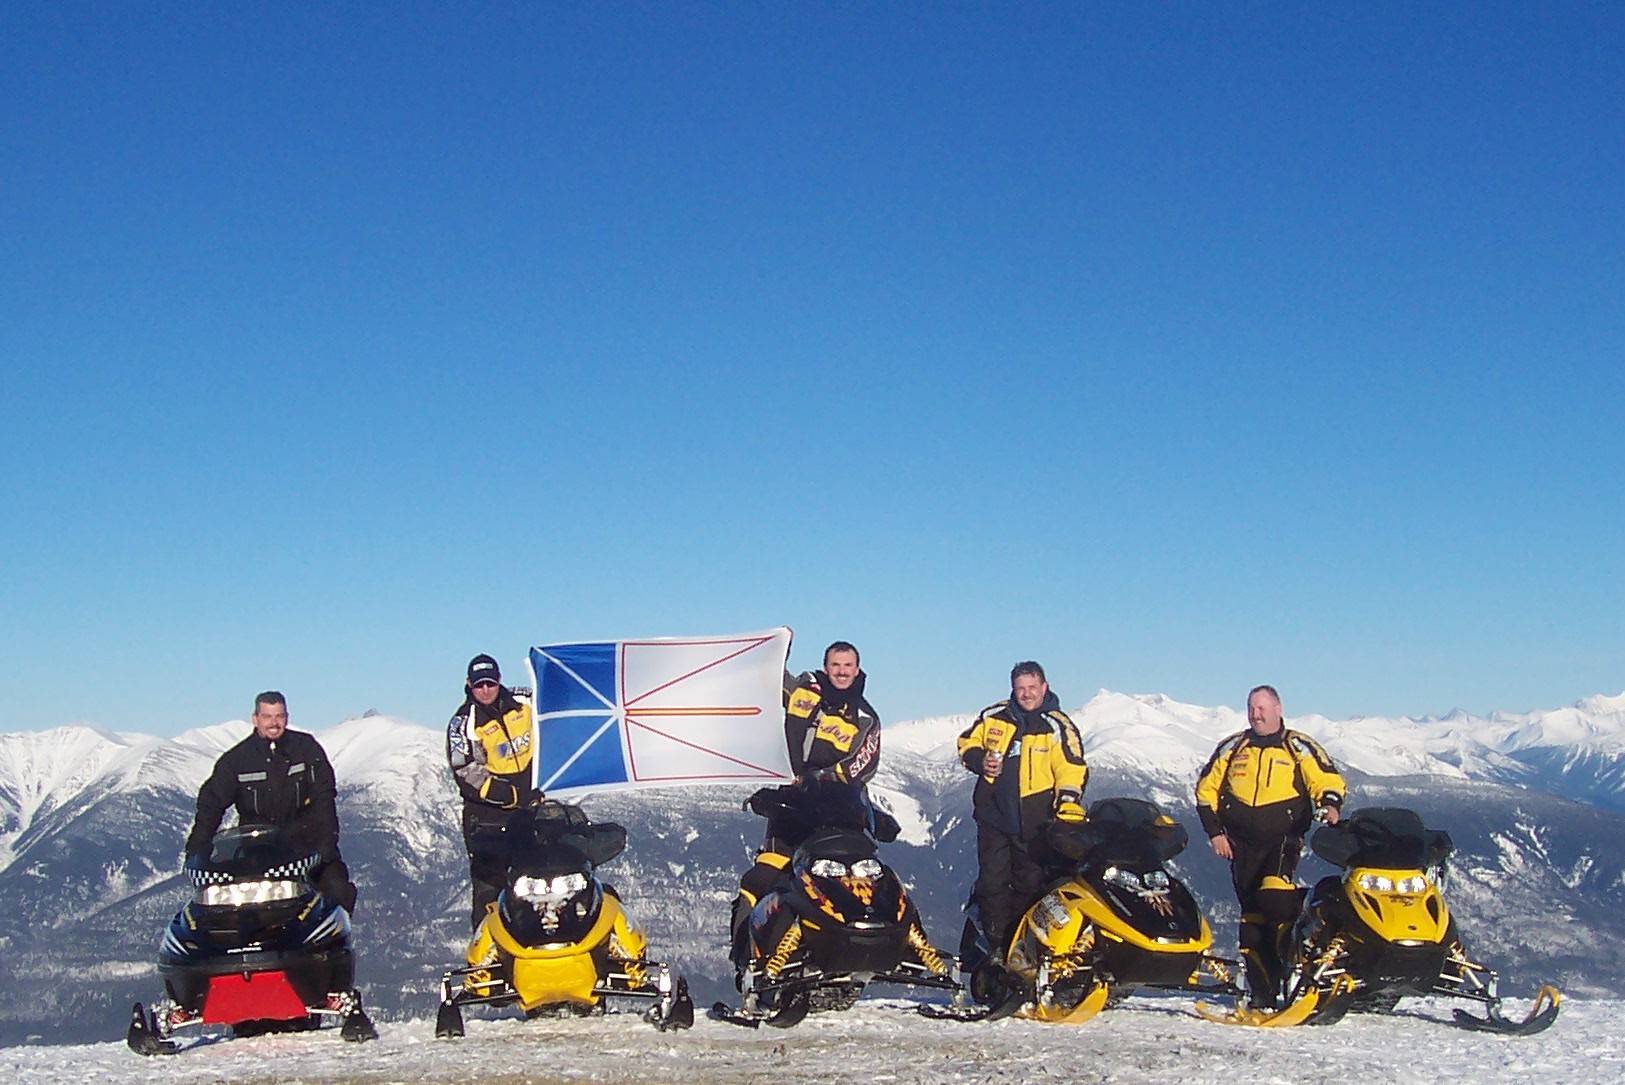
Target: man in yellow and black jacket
{"points": [[831, 730], [1030, 770], [1256, 798], [832, 733], [488, 746]]}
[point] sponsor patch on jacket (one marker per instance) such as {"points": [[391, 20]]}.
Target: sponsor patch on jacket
{"points": [[295, 770], [802, 703], [519, 745], [250, 777], [837, 732], [1241, 766]]}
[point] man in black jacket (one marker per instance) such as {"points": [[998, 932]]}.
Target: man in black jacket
{"points": [[283, 778], [488, 748]]}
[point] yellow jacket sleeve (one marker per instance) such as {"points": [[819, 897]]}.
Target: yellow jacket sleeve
{"points": [[1320, 777], [1210, 784], [1067, 765]]}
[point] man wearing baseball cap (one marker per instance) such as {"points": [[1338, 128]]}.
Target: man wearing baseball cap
{"points": [[488, 746]]}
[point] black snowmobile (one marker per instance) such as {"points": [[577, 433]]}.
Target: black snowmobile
{"points": [[558, 939], [257, 948], [1113, 920], [837, 920], [1381, 931]]}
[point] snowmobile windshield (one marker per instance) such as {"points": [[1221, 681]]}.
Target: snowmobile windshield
{"points": [[252, 851], [1131, 832], [558, 835], [1389, 837], [798, 812]]}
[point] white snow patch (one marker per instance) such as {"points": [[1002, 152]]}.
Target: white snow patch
{"points": [[1147, 1041]]}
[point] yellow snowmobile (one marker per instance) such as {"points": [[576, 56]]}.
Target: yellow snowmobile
{"points": [[557, 940], [1380, 931], [1117, 920]]}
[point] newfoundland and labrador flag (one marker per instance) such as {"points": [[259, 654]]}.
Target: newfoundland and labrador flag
{"points": [[613, 715]]}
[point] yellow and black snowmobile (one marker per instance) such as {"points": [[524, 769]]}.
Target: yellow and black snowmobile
{"points": [[557, 939], [838, 920], [1381, 931], [1116, 919]]}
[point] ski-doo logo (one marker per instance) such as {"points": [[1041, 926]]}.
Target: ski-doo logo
{"points": [[836, 731]]}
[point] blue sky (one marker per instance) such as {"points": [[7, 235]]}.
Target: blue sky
{"points": [[1180, 347]]}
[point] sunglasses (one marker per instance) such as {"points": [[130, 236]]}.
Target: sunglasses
{"points": [[486, 683]]}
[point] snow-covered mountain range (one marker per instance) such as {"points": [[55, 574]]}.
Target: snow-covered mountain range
{"points": [[91, 824]]}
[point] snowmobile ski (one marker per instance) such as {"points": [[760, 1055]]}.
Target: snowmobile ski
{"points": [[1087, 1007], [1540, 1017], [448, 1022], [1295, 1012], [143, 1035], [1002, 995], [358, 1027], [796, 1006], [721, 1011], [678, 1015], [953, 1012]]}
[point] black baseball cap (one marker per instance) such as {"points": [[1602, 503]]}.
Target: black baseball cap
{"points": [[482, 668]]}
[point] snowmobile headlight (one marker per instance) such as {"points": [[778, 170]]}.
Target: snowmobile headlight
{"points": [[1376, 883], [828, 868], [1155, 879], [1127, 879], [549, 890], [1415, 883], [868, 869], [239, 894]]}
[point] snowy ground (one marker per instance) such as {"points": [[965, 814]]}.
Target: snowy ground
{"points": [[1153, 1041]]}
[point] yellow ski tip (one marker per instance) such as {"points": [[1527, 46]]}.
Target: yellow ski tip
{"points": [[1091, 1004], [1295, 1014]]}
